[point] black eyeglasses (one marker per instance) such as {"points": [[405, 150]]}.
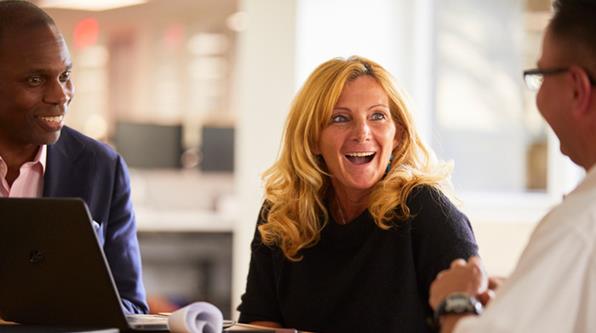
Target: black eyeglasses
{"points": [[534, 77]]}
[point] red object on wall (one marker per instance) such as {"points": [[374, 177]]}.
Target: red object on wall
{"points": [[86, 33], [174, 36]]}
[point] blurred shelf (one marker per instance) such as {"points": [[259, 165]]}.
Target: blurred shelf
{"points": [[151, 220]]}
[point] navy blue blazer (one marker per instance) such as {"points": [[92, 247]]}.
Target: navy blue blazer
{"points": [[78, 166]]}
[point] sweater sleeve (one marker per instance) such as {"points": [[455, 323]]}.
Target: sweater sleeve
{"points": [[259, 302], [440, 234]]}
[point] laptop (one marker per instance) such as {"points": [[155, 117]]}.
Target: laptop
{"points": [[53, 270]]}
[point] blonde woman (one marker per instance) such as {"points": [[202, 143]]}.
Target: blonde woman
{"points": [[354, 226]]}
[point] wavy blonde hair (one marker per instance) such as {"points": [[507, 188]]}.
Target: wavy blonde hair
{"points": [[297, 184]]}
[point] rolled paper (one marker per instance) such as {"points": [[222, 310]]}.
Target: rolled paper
{"points": [[199, 317]]}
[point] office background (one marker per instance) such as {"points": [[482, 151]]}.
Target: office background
{"points": [[194, 94]]}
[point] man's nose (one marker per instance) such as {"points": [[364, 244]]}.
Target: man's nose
{"points": [[58, 93]]}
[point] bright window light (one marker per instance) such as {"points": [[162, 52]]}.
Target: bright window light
{"points": [[95, 5]]}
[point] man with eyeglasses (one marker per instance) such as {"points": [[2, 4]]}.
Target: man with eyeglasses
{"points": [[553, 287]]}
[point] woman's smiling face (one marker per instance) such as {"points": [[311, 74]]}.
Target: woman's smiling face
{"points": [[357, 141]]}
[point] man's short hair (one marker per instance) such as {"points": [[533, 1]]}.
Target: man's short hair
{"points": [[18, 14], [574, 24]]}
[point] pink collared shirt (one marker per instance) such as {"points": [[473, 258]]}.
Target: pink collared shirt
{"points": [[29, 183]]}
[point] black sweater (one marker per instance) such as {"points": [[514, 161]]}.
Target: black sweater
{"points": [[360, 278]]}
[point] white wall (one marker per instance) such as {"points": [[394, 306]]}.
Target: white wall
{"points": [[381, 30], [264, 88]]}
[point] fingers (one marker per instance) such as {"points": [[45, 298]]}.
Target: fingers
{"points": [[475, 260], [494, 282], [454, 263], [486, 296], [458, 263], [461, 276]]}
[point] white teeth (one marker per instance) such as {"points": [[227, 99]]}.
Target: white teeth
{"points": [[54, 119], [365, 154]]}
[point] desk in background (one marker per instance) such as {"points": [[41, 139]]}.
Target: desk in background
{"points": [[187, 257]]}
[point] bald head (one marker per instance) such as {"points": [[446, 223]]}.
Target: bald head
{"points": [[18, 15]]}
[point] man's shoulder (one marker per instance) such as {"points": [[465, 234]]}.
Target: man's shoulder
{"points": [[77, 142]]}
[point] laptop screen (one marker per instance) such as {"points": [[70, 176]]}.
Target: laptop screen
{"points": [[52, 269]]}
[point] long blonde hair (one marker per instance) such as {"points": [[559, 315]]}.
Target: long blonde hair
{"points": [[296, 185]]}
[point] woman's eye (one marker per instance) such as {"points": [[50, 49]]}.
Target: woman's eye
{"points": [[378, 116], [338, 118], [34, 81]]}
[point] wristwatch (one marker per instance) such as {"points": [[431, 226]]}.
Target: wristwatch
{"points": [[458, 303]]}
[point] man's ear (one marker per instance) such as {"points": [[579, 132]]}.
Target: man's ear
{"points": [[582, 90]]}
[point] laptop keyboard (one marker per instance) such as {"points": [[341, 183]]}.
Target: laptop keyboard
{"points": [[146, 318]]}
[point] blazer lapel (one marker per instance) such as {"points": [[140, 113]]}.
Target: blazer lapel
{"points": [[62, 169]]}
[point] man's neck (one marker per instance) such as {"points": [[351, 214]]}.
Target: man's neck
{"points": [[15, 157], [588, 160], [590, 167], [592, 161]]}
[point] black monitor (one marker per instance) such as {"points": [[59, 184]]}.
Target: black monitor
{"points": [[217, 149], [149, 146]]}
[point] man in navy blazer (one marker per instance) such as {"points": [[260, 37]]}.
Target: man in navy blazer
{"points": [[78, 166], [39, 156]]}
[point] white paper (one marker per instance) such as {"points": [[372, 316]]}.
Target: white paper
{"points": [[199, 317]]}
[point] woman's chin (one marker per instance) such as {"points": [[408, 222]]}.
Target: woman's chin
{"points": [[363, 184]]}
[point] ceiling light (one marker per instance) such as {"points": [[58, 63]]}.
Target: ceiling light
{"points": [[95, 5]]}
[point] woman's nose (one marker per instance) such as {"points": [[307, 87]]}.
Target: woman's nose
{"points": [[361, 131]]}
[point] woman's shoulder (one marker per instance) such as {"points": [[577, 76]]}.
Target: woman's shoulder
{"points": [[427, 195], [257, 243], [428, 204]]}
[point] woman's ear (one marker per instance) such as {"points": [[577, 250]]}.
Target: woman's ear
{"points": [[582, 90], [316, 151], [399, 135]]}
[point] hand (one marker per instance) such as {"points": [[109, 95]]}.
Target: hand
{"points": [[464, 277], [494, 282]]}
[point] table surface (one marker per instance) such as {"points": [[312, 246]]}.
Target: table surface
{"points": [[6, 327]]}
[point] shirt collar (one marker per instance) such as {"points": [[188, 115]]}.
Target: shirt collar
{"points": [[41, 157], [591, 174], [589, 180], [592, 170]]}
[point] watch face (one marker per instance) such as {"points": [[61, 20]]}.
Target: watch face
{"points": [[461, 303], [457, 304]]}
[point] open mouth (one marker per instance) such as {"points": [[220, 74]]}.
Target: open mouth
{"points": [[360, 158], [51, 123], [52, 119]]}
